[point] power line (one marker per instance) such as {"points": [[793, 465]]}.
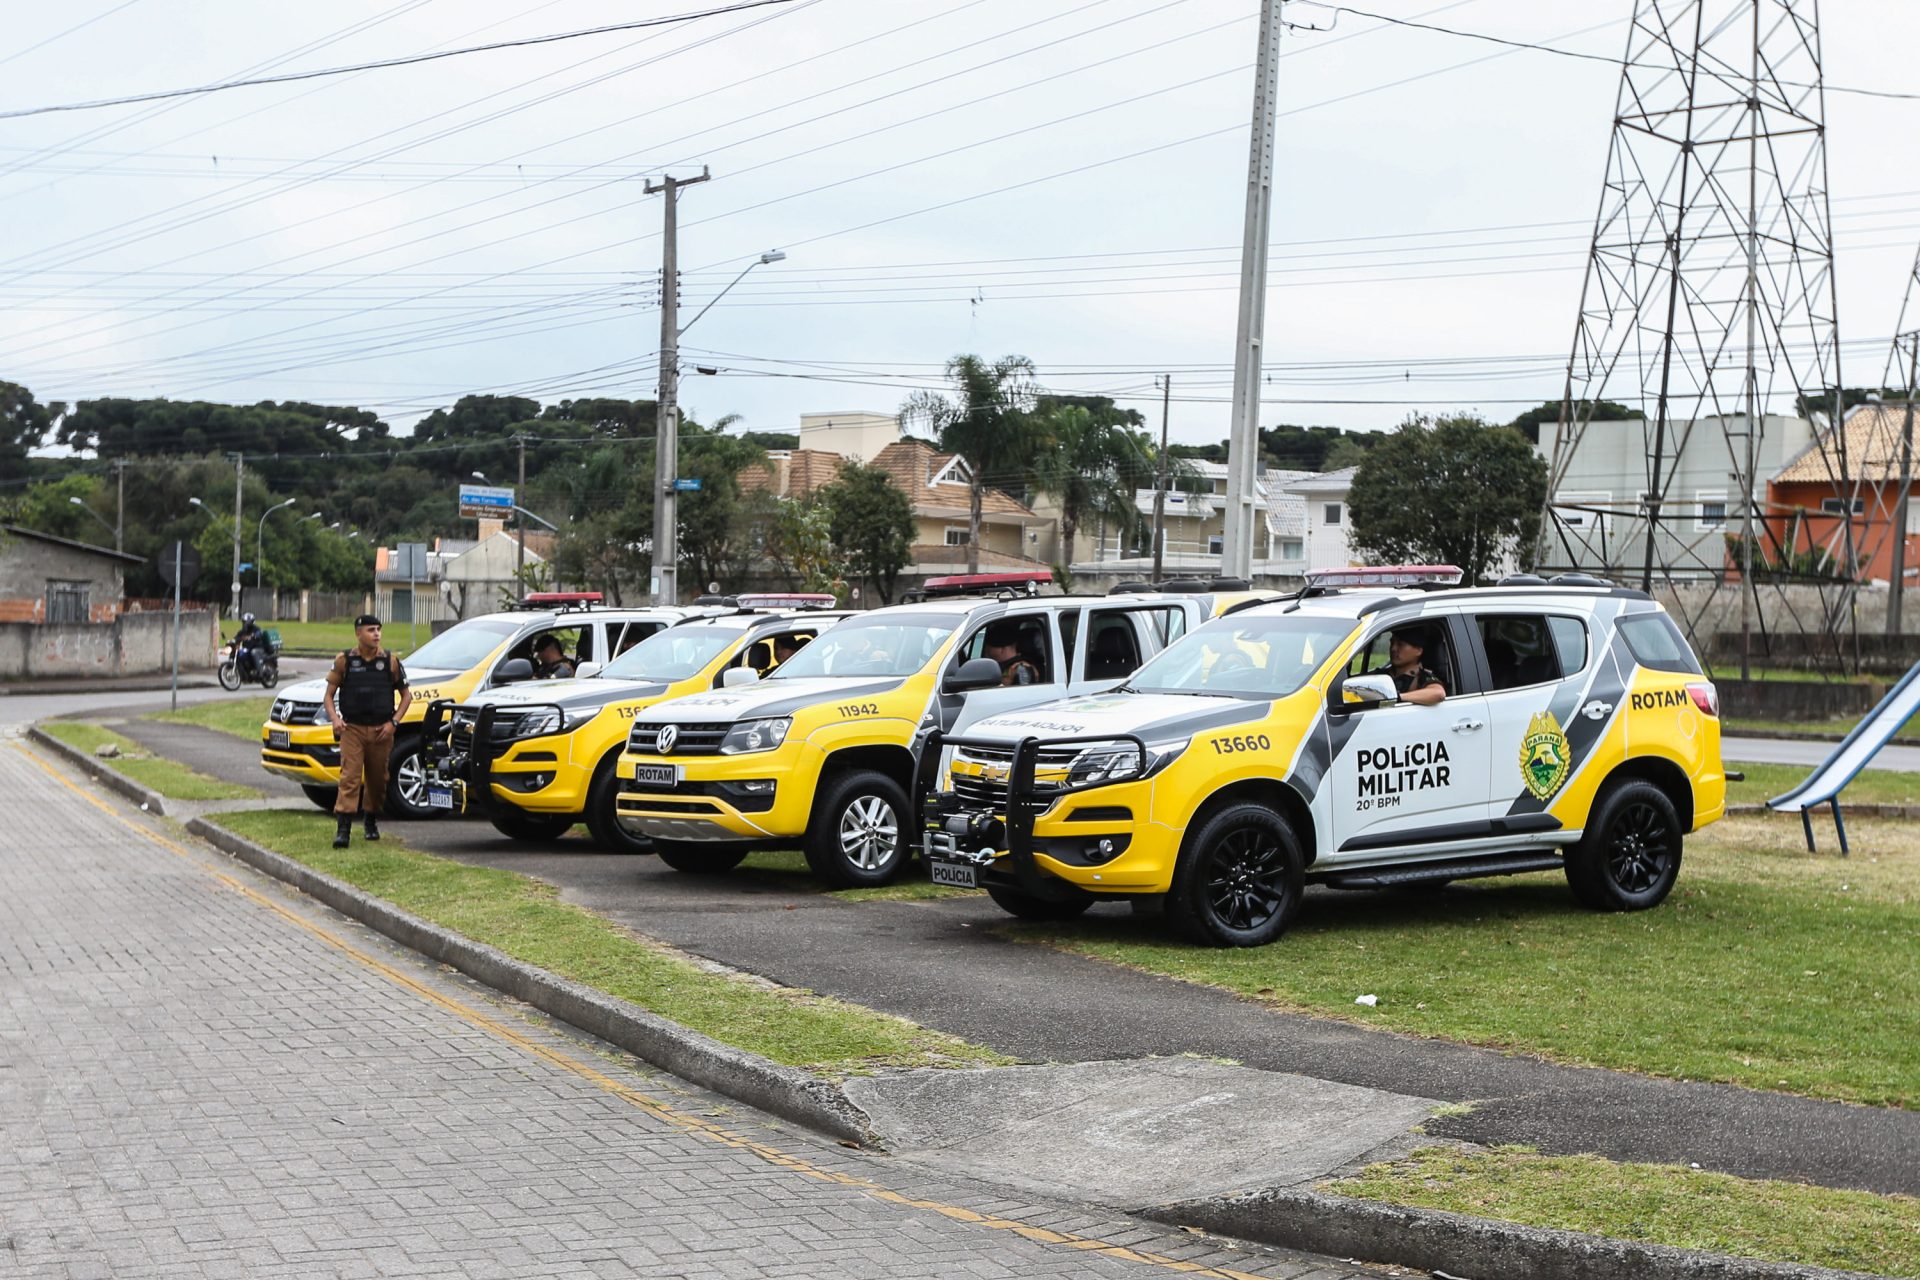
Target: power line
{"points": [[380, 64], [78, 26]]}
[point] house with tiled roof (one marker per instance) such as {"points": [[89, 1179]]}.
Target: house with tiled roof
{"points": [[1848, 489]]}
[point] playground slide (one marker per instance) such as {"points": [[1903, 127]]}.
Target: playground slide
{"points": [[1824, 784]]}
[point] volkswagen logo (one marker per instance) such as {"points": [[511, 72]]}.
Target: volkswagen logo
{"points": [[668, 733]]}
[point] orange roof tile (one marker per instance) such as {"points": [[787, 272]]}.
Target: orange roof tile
{"points": [[914, 463], [1872, 436]]}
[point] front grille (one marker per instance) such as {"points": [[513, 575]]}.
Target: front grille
{"points": [[460, 728], [980, 791], [689, 739], [289, 711]]}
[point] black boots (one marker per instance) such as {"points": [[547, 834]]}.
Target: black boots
{"points": [[373, 827], [342, 832]]}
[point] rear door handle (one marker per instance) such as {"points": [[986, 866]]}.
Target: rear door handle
{"points": [[1468, 726], [1597, 710]]}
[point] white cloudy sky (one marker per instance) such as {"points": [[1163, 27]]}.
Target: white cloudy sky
{"points": [[946, 176]]}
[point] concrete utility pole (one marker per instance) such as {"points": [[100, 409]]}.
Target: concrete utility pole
{"points": [[1243, 440], [239, 473], [120, 506], [666, 447], [520, 524], [1160, 483]]}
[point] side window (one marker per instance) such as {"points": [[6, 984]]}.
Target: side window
{"points": [[768, 652], [1168, 624], [1069, 636], [1521, 650], [585, 653], [1657, 644], [1026, 637], [1374, 656], [1570, 639], [628, 635], [1113, 646]]}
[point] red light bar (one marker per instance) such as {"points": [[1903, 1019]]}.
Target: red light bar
{"points": [[988, 581], [562, 597], [1386, 575], [786, 600]]}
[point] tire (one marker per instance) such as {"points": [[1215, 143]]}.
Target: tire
{"points": [[603, 819], [858, 834], [407, 777], [269, 673], [1629, 856], [1029, 906], [229, 674], [533, 827], [1240, 879], [700, 859], [324, 797]]}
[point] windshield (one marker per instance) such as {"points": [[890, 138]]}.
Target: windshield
{"points": [[1245, 657], [463, 645], [673, 654], [882, 647]]}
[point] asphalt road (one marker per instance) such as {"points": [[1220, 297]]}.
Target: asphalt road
{"points": [[1786, 751], [951, 965]]}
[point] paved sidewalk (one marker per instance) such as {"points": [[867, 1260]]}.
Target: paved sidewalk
{"points": [[202, 1074]]}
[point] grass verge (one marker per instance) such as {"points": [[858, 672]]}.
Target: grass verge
{"points": [[172, 780], [1838, 728], [1768, 967], [788, 867], [1656, 1204], [240, 717], [324, 639], [525, 918], [1872, 786]]}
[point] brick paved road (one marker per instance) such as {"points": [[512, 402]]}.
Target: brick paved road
{"points": [[202, 1074]]}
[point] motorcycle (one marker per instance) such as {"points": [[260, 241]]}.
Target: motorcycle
{"points": [[263, 671]]}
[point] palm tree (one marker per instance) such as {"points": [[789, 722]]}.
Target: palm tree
{"points": [[1091, 465], [985, 421]]}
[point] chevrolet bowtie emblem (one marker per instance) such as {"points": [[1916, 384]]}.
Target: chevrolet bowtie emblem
{"points": [[667, 736]]}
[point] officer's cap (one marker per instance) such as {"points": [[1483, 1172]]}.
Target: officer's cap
{"points": [[1003, 633], [1415, 636], [367, 620]]}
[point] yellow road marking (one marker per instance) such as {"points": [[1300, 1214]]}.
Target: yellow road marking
{"points": [[696, 1125]]}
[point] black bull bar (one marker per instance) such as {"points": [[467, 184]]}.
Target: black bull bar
{"points": [[471, 772], [949, 819]]}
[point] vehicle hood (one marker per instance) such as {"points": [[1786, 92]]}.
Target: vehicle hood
{"points": [[1154, 717], [766, 698], [316, 690], [572, 695]]}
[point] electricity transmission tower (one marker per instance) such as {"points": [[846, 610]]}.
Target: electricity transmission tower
{"points": [[1708, 310]]}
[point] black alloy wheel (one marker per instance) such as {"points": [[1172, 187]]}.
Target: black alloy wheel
{"points": [[1629, 857], [1240, 881]]}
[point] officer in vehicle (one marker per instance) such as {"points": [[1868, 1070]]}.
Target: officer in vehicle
{"points": [[1003, 646], [550, 659], [1406, 654], [367, 694], [785, 646]]}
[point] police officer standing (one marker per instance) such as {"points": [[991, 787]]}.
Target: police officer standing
{"points": [[361, 697]]}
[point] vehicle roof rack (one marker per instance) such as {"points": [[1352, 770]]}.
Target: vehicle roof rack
{"points": [[1128, 588], [1577, 580], [1522, 580]]}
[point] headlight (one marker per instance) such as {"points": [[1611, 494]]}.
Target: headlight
{"points": [[547, 720], [1119, 762], [754, 735]]}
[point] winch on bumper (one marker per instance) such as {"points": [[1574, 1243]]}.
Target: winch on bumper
{"points": [[980, 833], [463, 750]]}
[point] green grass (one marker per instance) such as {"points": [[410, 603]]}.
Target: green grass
{"points": [[324, 639], [240, 717], [1839, 728], [1871, 786], [1768, 967], [788, 867], [524, 917], [1656, 1204], [1786, 675], [174, 781]]}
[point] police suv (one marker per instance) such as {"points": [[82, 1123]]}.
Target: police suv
{"points": [[1274, 747], [823, 751]]}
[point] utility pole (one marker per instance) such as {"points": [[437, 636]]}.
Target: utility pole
{"points": [[519, 522], [239, 474], [666, 440], [1243, 440], [1160, 483], [1897, 580], [120, 506]]}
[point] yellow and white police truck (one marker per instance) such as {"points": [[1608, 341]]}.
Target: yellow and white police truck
{"points": [[1279, 746]]}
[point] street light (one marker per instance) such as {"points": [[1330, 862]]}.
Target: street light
{"points": [[480, 477], [259, 534], [771, 255], [536, 519], [314, 516], [98, 518]]}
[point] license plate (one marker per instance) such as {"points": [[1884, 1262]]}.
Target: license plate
{"points": [[656, 775], [277, 739], [960, 875], [439, 797]]}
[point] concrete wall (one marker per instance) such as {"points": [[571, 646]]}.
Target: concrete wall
{"points": [[132, 644], [28, 564]]}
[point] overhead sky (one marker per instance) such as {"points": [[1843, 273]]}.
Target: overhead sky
{"points": [[1064, 180]]}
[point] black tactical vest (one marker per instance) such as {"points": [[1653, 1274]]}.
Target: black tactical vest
{"points": [[366, 691]]}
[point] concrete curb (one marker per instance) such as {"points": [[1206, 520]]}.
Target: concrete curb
{"points": [[108, 777], [1851, 810], [787, 1092], [1430, 1240]]}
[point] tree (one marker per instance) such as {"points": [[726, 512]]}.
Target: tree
{"points": [[1529, 423], [985, 421], [871, 522], [715, 530], [24, 423], [1449, 491], [798, 537], [1092, 465]]}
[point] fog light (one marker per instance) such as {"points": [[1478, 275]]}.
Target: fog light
{"points": [[757, 786]]}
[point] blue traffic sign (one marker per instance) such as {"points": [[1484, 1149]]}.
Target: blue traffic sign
{"points": [[687, 484]]}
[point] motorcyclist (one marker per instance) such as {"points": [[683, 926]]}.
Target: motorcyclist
{"points": [[249, 642]]}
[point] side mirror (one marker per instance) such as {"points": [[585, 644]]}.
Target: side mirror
{"points": [[513, 670], [585, 670], [1369, 690], [975, 673], [733, 676]]}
